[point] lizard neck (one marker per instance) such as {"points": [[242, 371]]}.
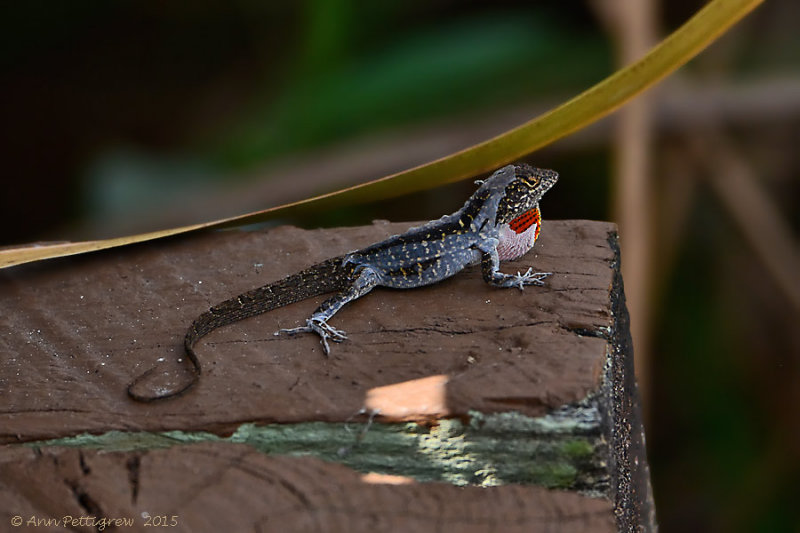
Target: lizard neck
{"points": [[519, 235], [479, 213]]}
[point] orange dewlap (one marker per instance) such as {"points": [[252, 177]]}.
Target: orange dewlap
{"points": [[526, 220]]}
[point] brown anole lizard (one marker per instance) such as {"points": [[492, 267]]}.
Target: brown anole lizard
{"points": [[499, 222]]}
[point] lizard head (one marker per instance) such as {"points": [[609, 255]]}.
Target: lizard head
{"points": [[510, 199], [518, 218], [522, 194]]}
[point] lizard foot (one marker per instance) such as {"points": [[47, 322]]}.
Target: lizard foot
{"points": [[321, 328], [528, 278]]}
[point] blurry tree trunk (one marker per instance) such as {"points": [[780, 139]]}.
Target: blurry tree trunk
{"points": [[632, 25]]}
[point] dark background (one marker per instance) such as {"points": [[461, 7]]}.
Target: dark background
{"points": [[122, 117]]}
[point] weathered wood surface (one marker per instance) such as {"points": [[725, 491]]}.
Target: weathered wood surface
{"points": [[74, 332], [77, 331], [211, 487]]}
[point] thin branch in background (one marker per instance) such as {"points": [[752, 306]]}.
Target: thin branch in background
{"points": [[735, 183], [677, 194], [632, 25]]}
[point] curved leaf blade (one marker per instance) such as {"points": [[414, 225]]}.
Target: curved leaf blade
{"points": [[591, 105]]}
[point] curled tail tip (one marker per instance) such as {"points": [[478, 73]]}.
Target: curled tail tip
{"points": [[152, 386], [141, 392]]}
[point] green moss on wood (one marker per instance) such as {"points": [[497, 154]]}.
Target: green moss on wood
{"points": [[562, 450]]}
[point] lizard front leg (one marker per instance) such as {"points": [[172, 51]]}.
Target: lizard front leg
{"points": [[365, 281], [490, 267]]}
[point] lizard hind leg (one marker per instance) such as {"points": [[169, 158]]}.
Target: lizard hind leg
{"points": [[365, 280]]}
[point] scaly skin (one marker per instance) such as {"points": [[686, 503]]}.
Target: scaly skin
{"points": [[499, 222]]}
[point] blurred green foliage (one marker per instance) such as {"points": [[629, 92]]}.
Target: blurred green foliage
{"points": [[466, 64]]}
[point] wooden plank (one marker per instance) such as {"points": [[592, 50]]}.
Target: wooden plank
{"points": [[499, 387], [214, 487]]}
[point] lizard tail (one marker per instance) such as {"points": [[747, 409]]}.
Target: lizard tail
{"points": [[328, 276]]}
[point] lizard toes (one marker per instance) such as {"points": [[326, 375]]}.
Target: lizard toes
{"points": [[338, 335], [537, 278], [293, 331]]}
